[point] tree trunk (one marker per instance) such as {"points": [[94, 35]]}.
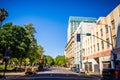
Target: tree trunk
{"points": [[21, 61]]}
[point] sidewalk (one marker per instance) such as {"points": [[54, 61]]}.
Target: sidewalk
{"points": [[93, 74], [13, 73]]}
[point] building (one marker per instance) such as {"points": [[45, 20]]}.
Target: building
{"points": [[69, 52], [105, 37], [84, 27], [74, 22]]}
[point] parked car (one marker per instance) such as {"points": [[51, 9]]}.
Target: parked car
{"points": [[110, 74], [16, 69], [40, 68], [75, 69], [2, 77], [29, 71]]}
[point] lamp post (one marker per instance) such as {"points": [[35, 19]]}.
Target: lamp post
{"points": [[3, 15]]}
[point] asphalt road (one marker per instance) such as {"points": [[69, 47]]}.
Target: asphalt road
{"points": [[56, 74]]}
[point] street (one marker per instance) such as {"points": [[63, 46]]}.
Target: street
{"points": [[55, 74]]}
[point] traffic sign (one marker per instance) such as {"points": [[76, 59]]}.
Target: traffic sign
{"points": [[27, 59]]}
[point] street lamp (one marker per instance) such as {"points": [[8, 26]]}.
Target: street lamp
{"points": [[3, 15], [112, 57]]}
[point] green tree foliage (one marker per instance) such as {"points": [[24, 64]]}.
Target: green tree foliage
{"points": [[60, 60], [21, 42], [34, 48], [44, 60], [15, 38], [50, 60], [14, 61]]}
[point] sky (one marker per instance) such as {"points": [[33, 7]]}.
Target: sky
{"points": [[50, 18]]}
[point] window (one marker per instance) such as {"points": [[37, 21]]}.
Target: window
{"points": [[71, 23], [91, 49], [108, 45], [102, 44], [88, 50], [113, 24], [106, 27], [101, 31], [94, 48], [93, 38], [114, 40], [98, 46], [97, 33]]}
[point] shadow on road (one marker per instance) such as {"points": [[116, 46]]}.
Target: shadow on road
{"points": [[54, 76]]}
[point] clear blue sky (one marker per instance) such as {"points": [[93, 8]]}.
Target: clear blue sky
{"points": [[50, 18]]}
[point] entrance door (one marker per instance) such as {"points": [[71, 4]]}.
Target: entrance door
{"points": [[96, 68]]}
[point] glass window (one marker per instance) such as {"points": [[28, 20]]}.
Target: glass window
{"points": [[98, 46], [101, 31], [94, 48], [102, 44], [108, 45], [114, 40], [91, 49], [106, 27], [113, 24], [97, 33]]}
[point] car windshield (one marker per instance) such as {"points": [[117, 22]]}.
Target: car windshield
{"points": [[59, 39]]}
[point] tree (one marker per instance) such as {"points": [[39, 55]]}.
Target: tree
{"points": [[21, 41], [50, 60], [16, 38], [60, 60], [34, 48], [14, 61]]}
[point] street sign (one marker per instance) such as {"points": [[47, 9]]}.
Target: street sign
{"points": [[27, 59]]}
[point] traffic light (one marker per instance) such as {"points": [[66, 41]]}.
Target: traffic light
{"points": [[88, 34], [78, 37]]}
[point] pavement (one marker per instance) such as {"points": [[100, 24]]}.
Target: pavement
{"points": [[89, 73], [13, 73], [18, 74]]}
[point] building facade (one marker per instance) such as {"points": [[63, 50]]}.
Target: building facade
{"points": [[105, 37], [69, 52], [84, 27], [73, 24]]}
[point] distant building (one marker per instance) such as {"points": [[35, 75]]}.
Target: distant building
{"points": [[84, 27], [69, 52], [74, 22]]}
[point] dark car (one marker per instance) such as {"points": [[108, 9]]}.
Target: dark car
{"points": [[110, 74], [40, 68], [77, 70], [73, 68], [2, 77]]}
